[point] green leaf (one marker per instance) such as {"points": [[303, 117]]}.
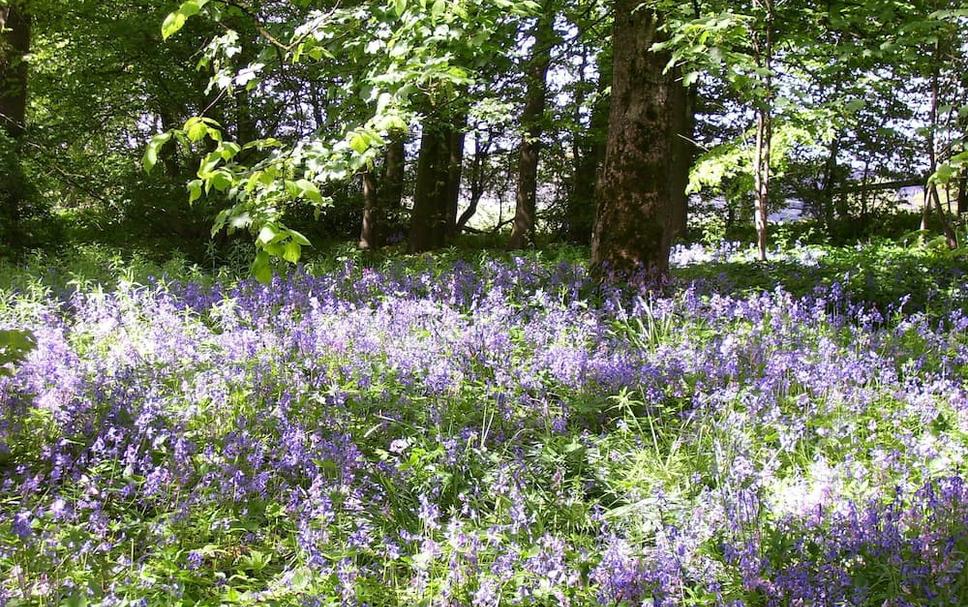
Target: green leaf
{"points": [[359, 143], [173, 22], [309, 191], [176, 20], [292, 252], [299, 238], [15, 345], [229, 150], [266, 236], [261, 268], [221, 180], [194, 190], [192, 7], [195, 129], [399, 7], [150, 158], [300, 579]]}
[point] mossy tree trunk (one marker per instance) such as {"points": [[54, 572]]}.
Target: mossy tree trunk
{"points": [[638, 192]]}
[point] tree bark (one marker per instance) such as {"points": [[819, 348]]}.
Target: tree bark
{"points": [[478, 179], [963, 195], [931, 190], [429, 219], [381, 202], [14, 47], [455, 168], [523, 228], [391, 186], [589, 154], [827, 191], [636, 191], [374, 220], [764, 134]]}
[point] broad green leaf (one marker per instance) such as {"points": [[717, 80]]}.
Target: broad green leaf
{"points": [[359, 143], [261, 268], [301, 579], [176, 20], [266, 236], [15, 345], [229, 150], [195, 129], [221, 180], [299, 238], [150, 158], [309, 191], [291, 252], [173, 22], [194, 190]]}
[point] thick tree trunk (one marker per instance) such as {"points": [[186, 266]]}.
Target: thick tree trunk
{"points": [[14, 47], [455, 168], [381, 203], [636, 192], [437, 185], [589, 154], [429, 219], [374, 220], [523, 228], [391, 187]]}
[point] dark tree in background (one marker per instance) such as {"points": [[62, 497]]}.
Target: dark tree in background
{"points": [[436, 184], [588, 152], [532, 118], [14, 47]]}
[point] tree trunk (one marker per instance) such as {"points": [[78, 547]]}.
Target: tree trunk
{"points": [[429, 219], [764, 135], [523, 228], [864, 191], [963, 195], [390, 191], [169, 154], [589, 153], [764, 131], [381, 204], [636, 191], [931, 191], [478, 179], [14, 47], [455, 168], [827, 195], [374, 220]]}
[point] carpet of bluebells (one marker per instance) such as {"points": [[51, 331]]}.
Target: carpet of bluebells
{"points": [[505, 432]]}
